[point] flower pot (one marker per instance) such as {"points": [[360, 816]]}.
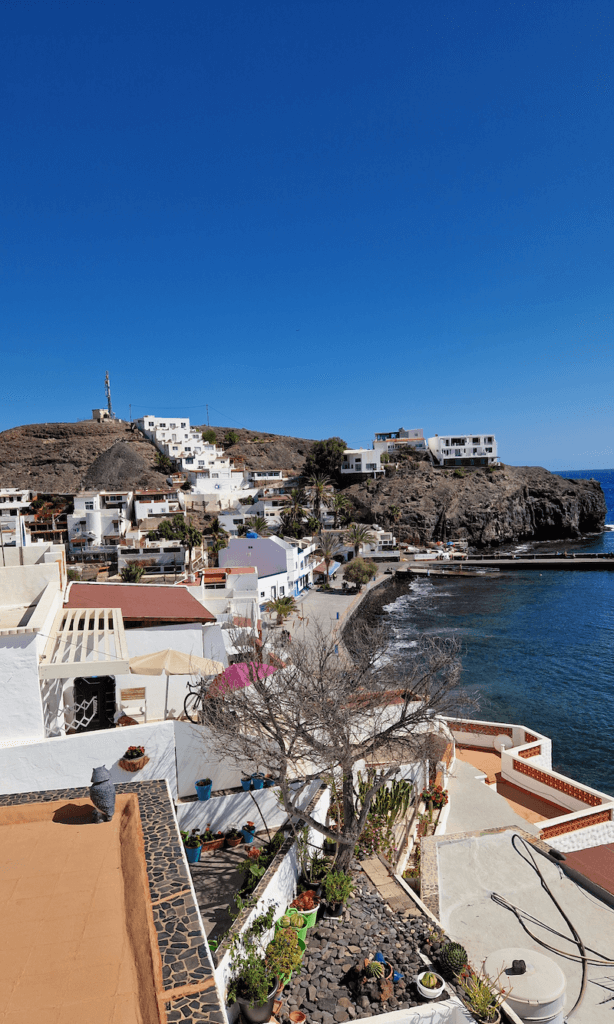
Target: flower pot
{"points": [[234, 842], [315, 887], [248, 836], [133, 764], [203, 792], [267, 784], [258, 781], [258, 1014], [246, 784], [333, 910], [429, 993], [193, 854], [297, 1017], [214, 844], [310, 916]]}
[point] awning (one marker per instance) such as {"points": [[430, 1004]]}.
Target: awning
{"points": [[85, 642], [321, 568]]}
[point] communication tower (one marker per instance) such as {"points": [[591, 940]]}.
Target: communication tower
{"points": [[107, 390]]}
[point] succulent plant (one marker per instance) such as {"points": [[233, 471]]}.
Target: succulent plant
{"points": [[375, 969], [430, 980], [452, 957]]}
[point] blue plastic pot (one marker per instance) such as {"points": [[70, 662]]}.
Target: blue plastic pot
{"points": [[248, 836], [246, 783], [258, 781], [193, 854], [268, 783], [203, 792]]}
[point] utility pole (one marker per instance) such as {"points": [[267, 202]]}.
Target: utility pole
{"points": [[207, 415], [107, 389]]}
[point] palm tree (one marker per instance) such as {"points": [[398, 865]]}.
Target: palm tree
{"points": [[318, 484], [357, 535], [313, 525], [258, 524], [296, 507], [339, 504], [132, 572], [220, 538], [328, 544], [282, 607]]}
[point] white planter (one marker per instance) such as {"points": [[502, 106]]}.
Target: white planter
{"points": [[429, 993]]}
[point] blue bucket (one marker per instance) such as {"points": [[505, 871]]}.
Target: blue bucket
{"points": [[193, 854]]}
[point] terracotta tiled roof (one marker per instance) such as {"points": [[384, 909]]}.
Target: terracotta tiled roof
{"points": [[167, 604]]}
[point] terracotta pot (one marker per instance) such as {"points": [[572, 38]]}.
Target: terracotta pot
{"points": [[297, 1017], [215, 844], [133, 764], [234, 842]]}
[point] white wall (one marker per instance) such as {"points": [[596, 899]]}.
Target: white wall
{"points": [[21, 709], [198, 759], [69, 760]]}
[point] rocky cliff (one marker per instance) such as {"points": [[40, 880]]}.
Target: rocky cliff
{"points": [[488, 508]]}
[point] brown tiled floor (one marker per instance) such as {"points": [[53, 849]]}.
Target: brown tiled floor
{"points": [[596, 863], [525, 804]]}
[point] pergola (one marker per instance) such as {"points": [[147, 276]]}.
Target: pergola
{"points": [[85, 642]]}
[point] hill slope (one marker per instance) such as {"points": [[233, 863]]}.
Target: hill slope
{"points": [[63, 458]]}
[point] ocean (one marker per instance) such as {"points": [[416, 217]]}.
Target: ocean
{"points": [[537, 649]]}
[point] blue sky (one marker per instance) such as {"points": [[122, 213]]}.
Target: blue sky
{"points": [[317, 217]]}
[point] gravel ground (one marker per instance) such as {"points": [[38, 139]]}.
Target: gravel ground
{"points": [[326, 987]]}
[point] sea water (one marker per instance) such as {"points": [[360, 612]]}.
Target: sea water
{"points": [[538, 649]]}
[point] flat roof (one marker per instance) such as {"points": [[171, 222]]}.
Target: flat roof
{"points": [[140, 601], [236, 569]]}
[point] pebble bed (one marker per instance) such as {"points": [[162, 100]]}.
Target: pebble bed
{"points": [[323, 988]]}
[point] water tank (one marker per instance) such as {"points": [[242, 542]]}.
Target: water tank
{"points": [[251, 535], [534, 985]]}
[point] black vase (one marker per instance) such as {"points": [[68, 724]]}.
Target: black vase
{"points": [[102, 794], [258, 1014]]}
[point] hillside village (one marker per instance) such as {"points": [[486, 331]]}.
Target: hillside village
{"points": [[193, 644]]}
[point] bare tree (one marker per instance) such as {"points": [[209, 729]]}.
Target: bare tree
{"points": [[324, 713]]}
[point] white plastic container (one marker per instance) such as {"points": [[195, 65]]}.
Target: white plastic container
{"points": [[538, 994]]}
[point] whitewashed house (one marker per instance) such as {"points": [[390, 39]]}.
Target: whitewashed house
{"points": [[470, 449], [397, 440], [382, 547], [163, 503], [99, 520], [362, 460], [285, 568]]}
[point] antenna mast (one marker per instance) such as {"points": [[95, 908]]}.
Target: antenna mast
{"points": [[107, 389]]}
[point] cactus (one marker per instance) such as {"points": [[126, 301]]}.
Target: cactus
{"points": [[453, 957], [375, 969], [430, 980]]}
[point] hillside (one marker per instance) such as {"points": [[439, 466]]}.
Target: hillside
{"points": [[264, 451], [514, 503], [63, 458]]}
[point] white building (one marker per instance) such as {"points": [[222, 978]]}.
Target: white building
{"points": [[99, 520], [469, 449], [285, 568], [398, 440], [382, 547], [156, 504], [362, 460]]}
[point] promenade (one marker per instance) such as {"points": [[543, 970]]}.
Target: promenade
{"points": [[330, 610]]}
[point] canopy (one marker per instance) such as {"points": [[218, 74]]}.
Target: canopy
{"points": [[321, 568], [174, 663]]}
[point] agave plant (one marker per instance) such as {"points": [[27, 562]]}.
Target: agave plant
{"points": [[453, 957]]}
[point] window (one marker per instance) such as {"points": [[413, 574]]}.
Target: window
{"points": [[457, 452], [489, 450], [371, 465], [459, 440], [215, 476], [262, 593], [488, 440], [151, 424], [89, 506], [475, 451], [200, 464], [173, 426], [282, 591], [183, 424], [476, 440], [447, 441]]}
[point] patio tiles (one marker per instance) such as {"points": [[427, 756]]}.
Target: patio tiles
{"points": [[216, 879]]}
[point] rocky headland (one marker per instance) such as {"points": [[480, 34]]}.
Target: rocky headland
{"points": [[487, 508]]}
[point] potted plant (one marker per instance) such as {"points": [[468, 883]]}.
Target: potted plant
{"points": [[248, 830], [307, 904], [211, 840], [234, 836], [452, 958], [337, 887], [246, 783], [258, 780], [268, 780], [203, 789], [298, 922], [284, 954], [430, 985], [253, 987], [481, 995], [134, 759], [193, 846]]}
